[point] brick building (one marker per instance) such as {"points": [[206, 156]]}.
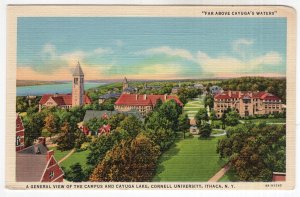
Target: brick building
{"points": [[142, 103], [19, 133], [247, 103]]}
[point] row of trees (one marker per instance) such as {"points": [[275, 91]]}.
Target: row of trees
{"points": [[255, 151], [275, 86]]}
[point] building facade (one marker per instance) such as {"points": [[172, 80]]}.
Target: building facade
{"points": [[247, 103], [67, 101], [142, 103], [19, 133]]}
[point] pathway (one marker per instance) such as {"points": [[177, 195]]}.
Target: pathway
{"points": [[219, 134], [66, 157], [219, 174]]}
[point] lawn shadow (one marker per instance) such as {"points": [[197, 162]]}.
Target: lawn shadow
{"points": [[172, 151]]}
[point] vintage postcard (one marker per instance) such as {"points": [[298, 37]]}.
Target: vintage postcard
{"points": [[150, 97]]}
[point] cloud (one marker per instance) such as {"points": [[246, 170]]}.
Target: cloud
{"points": [[238, 44], [175, 52], [226, 64]]}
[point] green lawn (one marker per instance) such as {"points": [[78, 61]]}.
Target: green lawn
{"points": [[59, 154], [190, 159], [192, 107], [79, 157]]}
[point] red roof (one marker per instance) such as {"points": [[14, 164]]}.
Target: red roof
{"points": [[62, 99], [104, 129], [241, 94], [137, 100]]}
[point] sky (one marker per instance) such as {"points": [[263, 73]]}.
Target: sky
{"points": [[48, 48]]}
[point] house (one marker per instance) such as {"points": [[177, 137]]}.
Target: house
{"points": [[67, 101], [247, 103], [104, 97], [215, 90], [105, 129], [199, 86], [194, 130], [278, 176], [19, 133], [37, 164], [142, 103], [104, 114]]}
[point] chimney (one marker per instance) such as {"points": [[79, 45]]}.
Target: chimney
{"points": [[136, 97], [229, 93], [145, 96], [55, 95], [42, 140], [239, 94], [165, 97], [49, 154]]}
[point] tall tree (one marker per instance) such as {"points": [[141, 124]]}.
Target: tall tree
{"points": [[66, 140], [201, 117], [75, 174], [183, 123], [129, 161]]}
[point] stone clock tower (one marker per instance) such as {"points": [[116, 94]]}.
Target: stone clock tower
{"points": [[78, 87]]}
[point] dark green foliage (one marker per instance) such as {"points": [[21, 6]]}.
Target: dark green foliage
{"points": [[183, 123], [276, 86], [187, 93], [209, 101], [205, 130], [75, 173], [201, 117], [94, 124], [255, 151], [131, 125], [66, 140]]}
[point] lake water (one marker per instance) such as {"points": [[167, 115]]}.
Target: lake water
{"points": [[64, 88]]}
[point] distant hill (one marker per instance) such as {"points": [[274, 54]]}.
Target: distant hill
{"points": [[34, 82]]}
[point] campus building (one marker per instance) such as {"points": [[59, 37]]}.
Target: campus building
{"points": [[247, 103], [35, 163], [67, 101], [142, 103]]}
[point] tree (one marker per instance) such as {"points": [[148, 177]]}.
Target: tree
{"points": [[114, 120], [99, 147], [94, 124], [205, 130], [201, 117], [75, 174], [232, 118], [183, 123], [129, 161], [255, 151], [51, 123], [209, 101], [132, 125], [66, 140], [33, 126]]}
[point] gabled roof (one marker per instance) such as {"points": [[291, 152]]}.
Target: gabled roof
{"points": [[90, 114], [62, 99], [144, 100], [78, 71], [31, 163], [111, 95]]}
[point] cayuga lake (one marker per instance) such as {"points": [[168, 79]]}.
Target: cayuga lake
{"points": [[64, 88]]}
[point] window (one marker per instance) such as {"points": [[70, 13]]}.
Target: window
{"points": [[18, 141], [51, 175], [76, 81]]}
